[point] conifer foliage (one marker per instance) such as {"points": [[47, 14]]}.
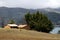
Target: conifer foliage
{"points": [[39, 22]]}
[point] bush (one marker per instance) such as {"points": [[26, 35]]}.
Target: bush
{"points": [[38, 22], [12, 22]]}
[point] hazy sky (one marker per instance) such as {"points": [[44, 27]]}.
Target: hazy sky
{"points": [[30, 3]]}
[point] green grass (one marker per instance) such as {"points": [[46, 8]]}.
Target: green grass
{"points": [[16, 34]]}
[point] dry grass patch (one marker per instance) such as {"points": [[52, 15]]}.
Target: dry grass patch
{"points": [[16, 34]]}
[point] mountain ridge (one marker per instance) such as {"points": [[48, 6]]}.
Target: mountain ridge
{"points": [[17, 14]]}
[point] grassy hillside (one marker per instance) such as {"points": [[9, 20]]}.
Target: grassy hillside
{"points": [[16, 34]]}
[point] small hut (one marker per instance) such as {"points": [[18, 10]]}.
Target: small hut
{"points": [[23, 26], [11, 26]]}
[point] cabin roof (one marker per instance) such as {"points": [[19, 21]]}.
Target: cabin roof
{"points": [[12, 25], [22, 25]]}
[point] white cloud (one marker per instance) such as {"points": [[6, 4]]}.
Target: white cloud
{"points": [[2, 3], [30, 3]]}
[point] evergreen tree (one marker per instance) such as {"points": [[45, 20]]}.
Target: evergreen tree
{"points": [[59, 32], [39, 22]]}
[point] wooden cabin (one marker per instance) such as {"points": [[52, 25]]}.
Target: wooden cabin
{"points": [[11, 26], [23, 26]]}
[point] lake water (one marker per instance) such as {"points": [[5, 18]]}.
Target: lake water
{"points": [[55, 30]]}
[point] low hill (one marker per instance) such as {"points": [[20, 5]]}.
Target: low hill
{"points": [[16, 34]]}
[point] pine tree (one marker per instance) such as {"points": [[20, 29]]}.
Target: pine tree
{"points": [[39, 22]]}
